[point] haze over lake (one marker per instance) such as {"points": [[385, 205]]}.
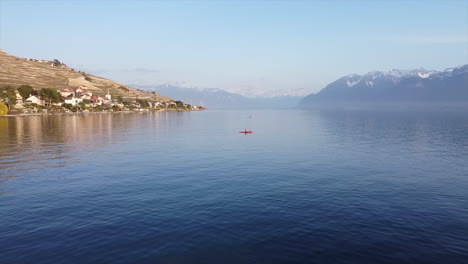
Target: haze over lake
{"points": [[305, 187]]}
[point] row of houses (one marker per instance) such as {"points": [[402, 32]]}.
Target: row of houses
{"points": [[83, 95], [70, 96]]}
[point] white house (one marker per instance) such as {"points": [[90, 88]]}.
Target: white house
{"points": [[34, 100], [73, 100]]}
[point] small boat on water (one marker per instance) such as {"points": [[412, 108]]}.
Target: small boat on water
{"points": [[246, 132]]}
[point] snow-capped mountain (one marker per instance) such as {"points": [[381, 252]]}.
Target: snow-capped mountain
{"points": [[394, 87]]}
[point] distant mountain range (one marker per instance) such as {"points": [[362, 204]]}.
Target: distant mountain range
{"points": [[213, 98], [394, 88]]}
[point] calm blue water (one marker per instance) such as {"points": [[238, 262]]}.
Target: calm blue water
{"points": [[306, 187]]}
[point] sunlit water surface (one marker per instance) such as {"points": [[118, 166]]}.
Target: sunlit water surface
{"points": [[306, 187]]}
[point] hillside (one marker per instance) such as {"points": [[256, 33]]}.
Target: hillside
{"points": [[43, 74], [395, 88]]}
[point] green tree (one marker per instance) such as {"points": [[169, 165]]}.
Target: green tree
{"points": [[25, 91], [8, 95], [179, 103], [51, 95], [82, 105], [68, 106], [3, 109], [116, 108], [143, 103], [56, 63]]}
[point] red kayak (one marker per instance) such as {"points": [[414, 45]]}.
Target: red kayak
{"points": [[246, 132]]}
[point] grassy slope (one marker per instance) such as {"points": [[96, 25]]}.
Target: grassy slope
{"points": [[17, 71]]}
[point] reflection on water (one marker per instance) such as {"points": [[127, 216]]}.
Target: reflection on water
{"points": [[35, 142], [355, 187]]}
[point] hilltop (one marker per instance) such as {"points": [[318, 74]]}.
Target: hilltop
{"points": [[54, 74]]}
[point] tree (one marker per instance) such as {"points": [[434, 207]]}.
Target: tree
{"points": [[143, 103], [82, 105], [3, 109], [50, 94], [115, 108], [25, 91], [8, 95], [56, 63], [179, 103]]}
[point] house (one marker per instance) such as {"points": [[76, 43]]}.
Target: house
{"points": [[97, 100], [82, 90], [67, 92], [73, 100], [19, 98], [85, 96], [57, 104], [136, 104], [34, 100], [106, 100]]}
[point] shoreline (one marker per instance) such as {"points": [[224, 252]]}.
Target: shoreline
{"points": [[99, 112]]}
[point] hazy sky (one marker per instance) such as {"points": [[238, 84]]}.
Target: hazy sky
{"points": [[248, 46]]}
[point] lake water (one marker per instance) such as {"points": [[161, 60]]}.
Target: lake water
{"points": [[306, 187]]}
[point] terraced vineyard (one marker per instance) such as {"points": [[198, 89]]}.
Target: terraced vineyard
{"points": [[43, 74]]}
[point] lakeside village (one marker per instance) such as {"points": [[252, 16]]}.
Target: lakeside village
{"points": [[26, 100]]}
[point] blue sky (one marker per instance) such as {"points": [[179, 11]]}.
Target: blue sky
{"points": [[253, 47]]}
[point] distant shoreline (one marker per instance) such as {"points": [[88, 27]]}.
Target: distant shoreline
{"points": [[98, 112]]}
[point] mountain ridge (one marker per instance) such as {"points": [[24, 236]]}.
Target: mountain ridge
{"points": [[394, 87]]}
